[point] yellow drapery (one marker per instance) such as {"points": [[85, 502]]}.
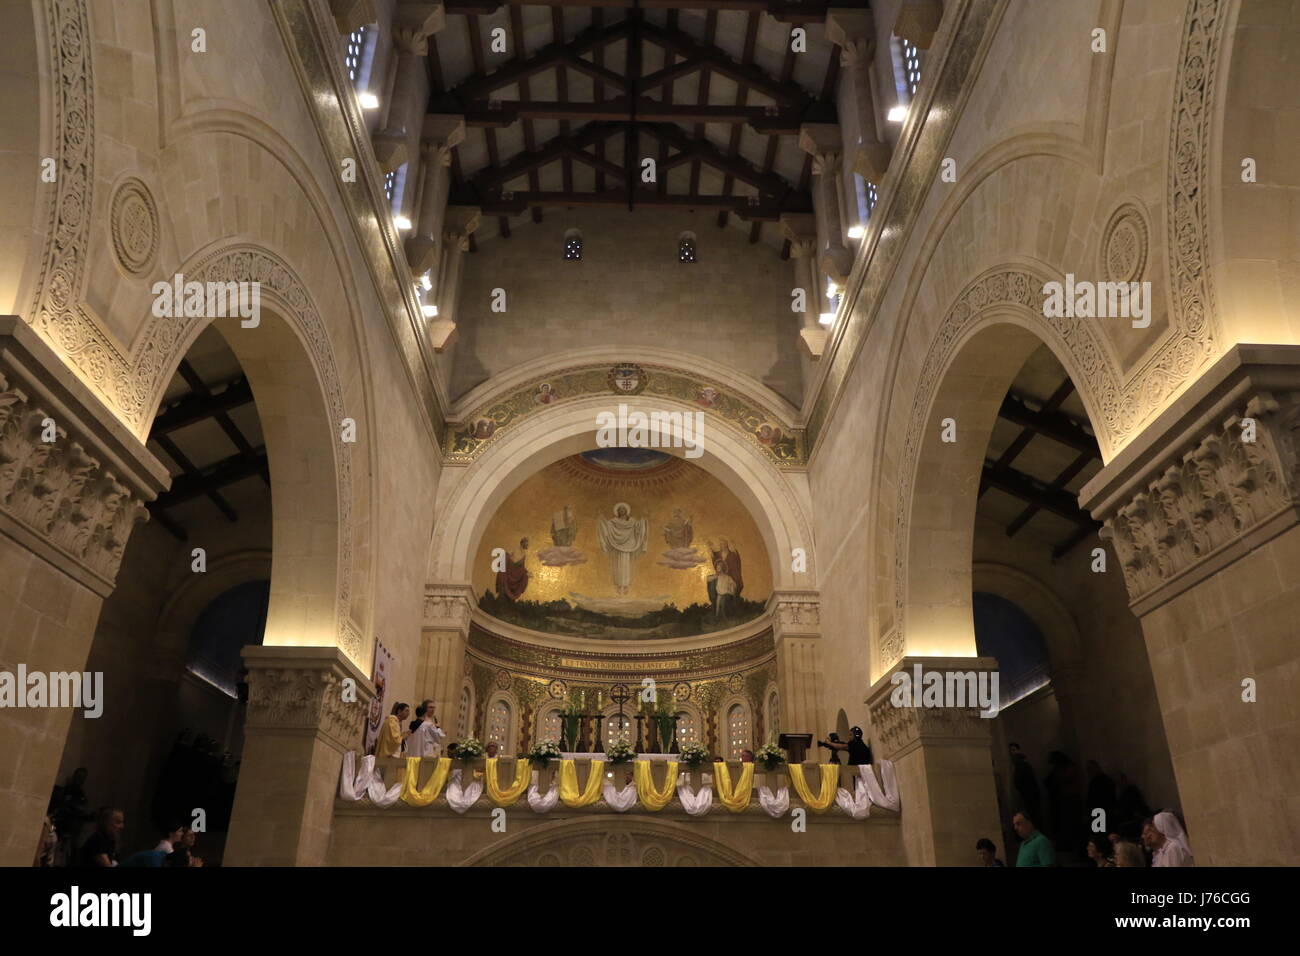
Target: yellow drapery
{"points": [[507, 797], [651, 798], [412, 794], [830, 781], [569, 784], [736, 799]]}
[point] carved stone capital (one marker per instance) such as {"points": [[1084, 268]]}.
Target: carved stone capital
{"points": [[1193, 493], [459, 223], [414, 21], [871, 161], [442, 131], [823, 142], [918, 21], [302, 691], [352, 15], [898, 729], [448, 606], [854, 32], [390, 150], [813, 339], [795, 613], [73, 480], [801, 229]]}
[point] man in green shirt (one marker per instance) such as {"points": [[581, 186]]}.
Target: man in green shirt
{"points": [[1035, 848]]}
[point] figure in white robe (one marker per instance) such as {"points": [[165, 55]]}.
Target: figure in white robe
{"points": [[623, 538]]}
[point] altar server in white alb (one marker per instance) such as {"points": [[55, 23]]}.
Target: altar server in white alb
{"points": [[426, 740]]}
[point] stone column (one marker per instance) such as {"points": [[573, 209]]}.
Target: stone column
{"points": [[459, 224], [441, 133], [67, 509], [399, 141], [801, 231], [796, 632], [301, 718], [855, 34], [441, 671], [822, 141], [918, 21], [1206, 525], [944, 761]]}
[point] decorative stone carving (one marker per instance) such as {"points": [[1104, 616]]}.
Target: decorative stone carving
{"points": [[447, 607], [598, 841], [895, 730], [918, 21], [1213, 494], [1124, 245], [133, 224], [288, 694]]}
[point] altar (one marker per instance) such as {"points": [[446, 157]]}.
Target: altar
{"points": [[601, 756]]}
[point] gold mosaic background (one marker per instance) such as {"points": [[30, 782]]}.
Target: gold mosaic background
{"points": [[592, 493]]}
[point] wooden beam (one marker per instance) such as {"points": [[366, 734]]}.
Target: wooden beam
{"points": [[1022, 486], [1070, 472], [197, 407], [481, 83], [787, 11], [742, 93], [498, 114], [492, 177], [715, 58], [693, 148], [225, 472], [1051, 424], [187, 468], [768, 210]]}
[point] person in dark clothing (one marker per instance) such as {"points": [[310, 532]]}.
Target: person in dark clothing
{"points": [[834, 745], [1026, 783], [1100, 794], [1130, 810], [100, 848], [988, 853], [859, 752], [1065, 801]]}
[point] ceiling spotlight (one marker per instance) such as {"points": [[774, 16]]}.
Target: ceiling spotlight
{"points": [[897, 114], [430, 311], [857, 232], [401, 222], [425, 282], [826, 318], [368, 101]]}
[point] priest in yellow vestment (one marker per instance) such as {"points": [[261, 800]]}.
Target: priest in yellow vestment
{"points": [[391, 734]]}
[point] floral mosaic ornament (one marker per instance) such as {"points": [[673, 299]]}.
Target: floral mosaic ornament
{"points": [[783, 445]]}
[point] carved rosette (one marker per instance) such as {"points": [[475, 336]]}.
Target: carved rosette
{"points": [[1216, 492], [306, 699], [59, 490]]}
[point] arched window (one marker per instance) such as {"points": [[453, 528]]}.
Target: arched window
{"points": [[549, 727], [738, 732], [688, 731], [230, 622], [573, 244], [911, 66], [463, 714], [616, 727], [499, 724], [686, 247], [352, 53]]}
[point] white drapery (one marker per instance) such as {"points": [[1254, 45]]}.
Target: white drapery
{"points": [[461, 800], [696, 804], [620, 800], [858, 804], [888, 798], [354, 784], [775, 805]]}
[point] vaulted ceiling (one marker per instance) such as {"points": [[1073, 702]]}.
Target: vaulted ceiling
{"points": [[563, 101]]}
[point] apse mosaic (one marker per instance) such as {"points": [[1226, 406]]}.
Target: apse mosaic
{"points": [[623, 544]]}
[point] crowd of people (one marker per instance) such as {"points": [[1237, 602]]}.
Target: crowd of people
{"points": [[423, 737], [1131, 836], [68, 813]]}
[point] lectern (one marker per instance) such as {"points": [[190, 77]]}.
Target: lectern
{"points": [[795, 746]]}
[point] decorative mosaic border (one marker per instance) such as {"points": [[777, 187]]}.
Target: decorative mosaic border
{"points": [[782, 445]]}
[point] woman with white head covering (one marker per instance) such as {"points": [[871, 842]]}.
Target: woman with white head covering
{"points": [[1167, 841]]}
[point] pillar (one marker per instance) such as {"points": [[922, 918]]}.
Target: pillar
{"points": [[440, 134], [822, 141], [944, 761], [67, 510], [796, 632], [800, 229], [855, 34], [441, 671], [399, 141], [918, 21], [459, 223], [302, 715], [1206, 525]]}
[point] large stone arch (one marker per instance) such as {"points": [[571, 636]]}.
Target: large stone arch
{"points": [[600, 841], [774, 500]]}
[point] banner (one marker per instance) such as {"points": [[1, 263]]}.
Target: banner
{"points": [[378, 706]]}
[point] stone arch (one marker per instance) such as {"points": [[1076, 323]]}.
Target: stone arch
{"points": [[723, 712], [564, 839], [773, 499], [182, 610], [984, 342], [290, 366]]}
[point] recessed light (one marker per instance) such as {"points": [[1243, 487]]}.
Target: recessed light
{"points": [[368, 101], [897, 114]]}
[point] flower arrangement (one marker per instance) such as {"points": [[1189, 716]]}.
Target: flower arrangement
{"points": [[693, 755], [769, 757], [620, 751], [469, 748], [542, 754]]}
